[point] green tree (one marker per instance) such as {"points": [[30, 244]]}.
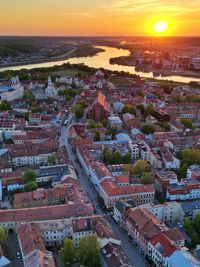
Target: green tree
{"points": [[89, 252], [113, 131], [52, 160], [73, 85], [4, 105], [147, 178], [29, 176], [128, 109], [26, 116], [29, 96], [108, 157], [30, 186], [189, 156], [187, 123], [91, 124], [97, 136], [105, 123], [138, 168], [3, 235], [127, 158], [149, 110], [68, 252], [148, 128], [117, 158], [78, 110]]}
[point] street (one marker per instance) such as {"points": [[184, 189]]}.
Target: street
{"points": [[134, 256]]}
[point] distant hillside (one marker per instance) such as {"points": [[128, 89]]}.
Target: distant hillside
{"points": [[17, 47]]}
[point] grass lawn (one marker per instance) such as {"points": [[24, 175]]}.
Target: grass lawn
{"points": [[66, 72]]}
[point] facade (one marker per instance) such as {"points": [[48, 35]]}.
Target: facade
{"points": [[187, 189], [168, 213], [163, 252], [134, 149], [142, 226], [111, 192]]}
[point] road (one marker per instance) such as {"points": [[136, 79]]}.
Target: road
{"points": [[12, 249], [134, 256]]}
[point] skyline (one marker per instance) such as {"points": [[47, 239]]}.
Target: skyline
{"points": [[98, 17]]}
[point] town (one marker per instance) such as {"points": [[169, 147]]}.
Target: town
{"points": [[99, 169]]}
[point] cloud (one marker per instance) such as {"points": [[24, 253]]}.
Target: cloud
{"points": [[79, 14], [169, 7]]}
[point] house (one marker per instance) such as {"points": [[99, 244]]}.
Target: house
{"points": [[163, 252], [186, 189], [168, 213], [113, 255], [169, 160], [130, 121], [115, 122], [190, 208], [111, 192], [32, 246], [163, 179], [142, 225], [55, 173], [118, 211]]}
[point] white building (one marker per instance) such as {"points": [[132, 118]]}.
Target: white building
{"points": [[51, 90], [168, 212], [115, 122], [134, 149], [15, 91]]}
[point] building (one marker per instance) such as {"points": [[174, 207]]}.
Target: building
{"points": [[163, 179], [169, 160], [113, 255], [187, 189], [32, 246], [169, 212], [55, 173], [134, 149], [10, 217], [115, 122], [51, 90], [100, 108], [12, 92], [163, 252], [111, 192], [63, 194], [142, 226], [32, 154], [190, 208]]}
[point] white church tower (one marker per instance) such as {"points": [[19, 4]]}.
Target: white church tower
{"points": [[51, 90]]}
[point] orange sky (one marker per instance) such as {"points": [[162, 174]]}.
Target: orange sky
{"points": [[97, 17]]}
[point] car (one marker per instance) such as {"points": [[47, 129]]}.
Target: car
{"points": [[18, 254]]}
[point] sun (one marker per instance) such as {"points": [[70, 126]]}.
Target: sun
{"points": [[160, 26]]}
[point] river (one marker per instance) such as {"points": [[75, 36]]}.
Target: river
{"points": [[101, 60]]}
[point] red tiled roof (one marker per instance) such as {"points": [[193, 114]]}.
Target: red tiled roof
{"points": [[46, 212], [112, 189], [168, 247]]}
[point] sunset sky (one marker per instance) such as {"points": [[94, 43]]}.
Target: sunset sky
{"points": [[98, 17]]}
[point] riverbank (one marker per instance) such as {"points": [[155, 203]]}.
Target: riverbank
{"points": [[75, 52], [130, 61]]}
